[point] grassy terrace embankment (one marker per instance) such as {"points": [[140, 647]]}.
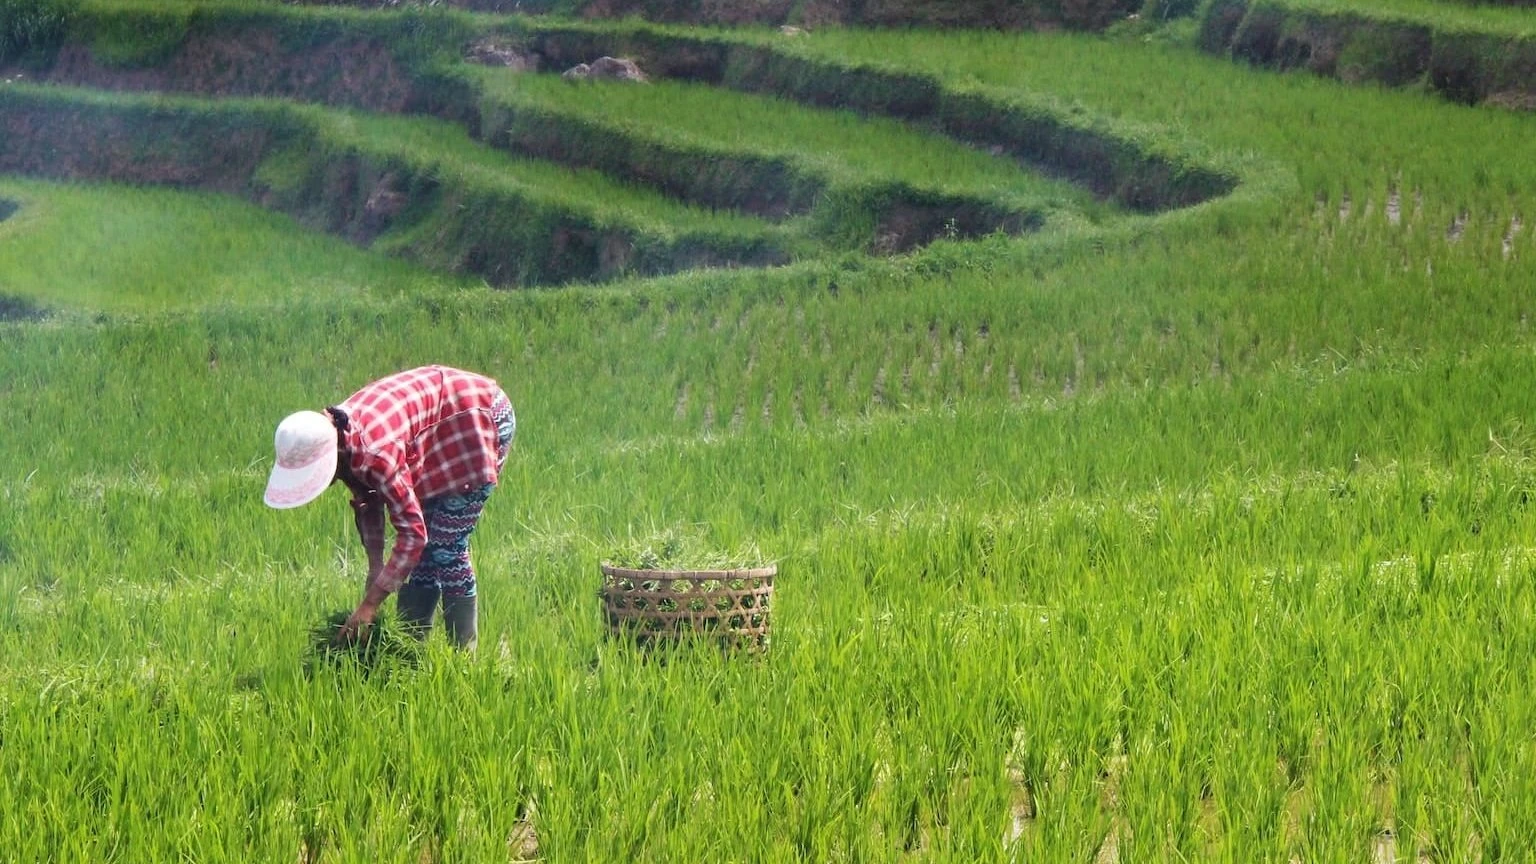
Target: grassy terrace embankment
{"points": [[1364, 146], [912, 189], [1469, 54], [775, 158], [1140, 168], [416, 186], [1008, 14]]}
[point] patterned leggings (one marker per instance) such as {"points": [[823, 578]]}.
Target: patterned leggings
{"points": [[451, 519]]}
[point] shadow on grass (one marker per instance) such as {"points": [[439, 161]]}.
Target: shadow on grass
{"points": [[13, 308], [16, 308]]}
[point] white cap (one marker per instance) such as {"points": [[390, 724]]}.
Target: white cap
{"points": [[306, 460]]}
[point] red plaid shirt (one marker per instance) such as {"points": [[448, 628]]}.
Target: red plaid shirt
{"points": [[413, 436]]}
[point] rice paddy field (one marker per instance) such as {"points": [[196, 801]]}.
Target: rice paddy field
{"points": [[1196, 534]]}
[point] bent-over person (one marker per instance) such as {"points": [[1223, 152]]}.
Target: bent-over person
{"points": [[424, 447]]}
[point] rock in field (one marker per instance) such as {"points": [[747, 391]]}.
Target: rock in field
{"points": [[489, 52], [607, 68], [617, 69]]}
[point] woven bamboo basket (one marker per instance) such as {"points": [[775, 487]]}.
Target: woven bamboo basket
{"points": [[661, 607]]}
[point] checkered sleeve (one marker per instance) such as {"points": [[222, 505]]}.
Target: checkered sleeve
{"points": [[410, 530]]}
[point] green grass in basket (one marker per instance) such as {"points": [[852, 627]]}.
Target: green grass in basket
{"points": [[678, 549]]}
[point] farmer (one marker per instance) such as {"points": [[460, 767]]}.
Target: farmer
{"points": [[425, 445]]}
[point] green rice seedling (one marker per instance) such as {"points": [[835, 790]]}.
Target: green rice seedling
{"points": [[233, 254], [31, 30], [385, 644]]}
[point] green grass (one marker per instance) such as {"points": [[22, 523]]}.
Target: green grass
{"points": [[173, 249], [1210, 531]]}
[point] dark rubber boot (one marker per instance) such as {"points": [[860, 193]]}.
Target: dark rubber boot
{"points": [[416, 603], [461, 619]]}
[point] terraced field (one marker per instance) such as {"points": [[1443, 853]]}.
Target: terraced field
{"points": [[1143, 439]]}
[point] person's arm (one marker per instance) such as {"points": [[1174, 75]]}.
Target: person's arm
{"points": [[368, 510], [405, 514]]}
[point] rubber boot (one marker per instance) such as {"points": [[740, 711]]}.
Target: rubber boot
{"points": [[461, 618], [416, 603]]}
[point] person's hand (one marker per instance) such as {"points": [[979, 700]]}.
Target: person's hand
{"points": [[356, 626]]}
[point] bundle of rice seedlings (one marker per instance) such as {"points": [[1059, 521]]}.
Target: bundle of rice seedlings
{"points": [[387, 642]]}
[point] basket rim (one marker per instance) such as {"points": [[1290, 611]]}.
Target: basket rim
{"points": [[767, 570]]}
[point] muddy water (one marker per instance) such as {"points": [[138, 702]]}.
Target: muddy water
{"points": [[8, 209]]}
